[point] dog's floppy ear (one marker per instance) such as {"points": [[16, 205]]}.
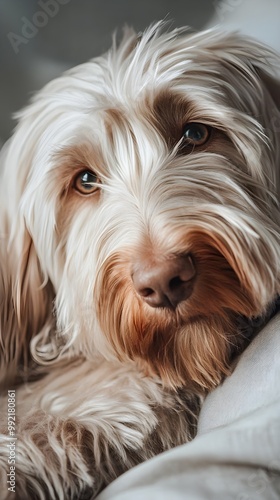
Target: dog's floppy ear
{"points": [[26, 295], [31, 296]]}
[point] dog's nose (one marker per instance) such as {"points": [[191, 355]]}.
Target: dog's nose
{"points": [[165, 282]]}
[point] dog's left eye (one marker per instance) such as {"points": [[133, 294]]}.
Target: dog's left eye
{"points": [[195, 134], [86, 182]]}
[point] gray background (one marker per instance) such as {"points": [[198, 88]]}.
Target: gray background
{"points": [[82, 29]]}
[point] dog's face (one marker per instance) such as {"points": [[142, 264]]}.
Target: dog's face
{"points": [[143, 187]]}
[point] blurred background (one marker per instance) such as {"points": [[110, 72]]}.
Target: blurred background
{"points": [[41, 38]]}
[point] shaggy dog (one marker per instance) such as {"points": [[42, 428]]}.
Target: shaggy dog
{"points": [[139, 223]]}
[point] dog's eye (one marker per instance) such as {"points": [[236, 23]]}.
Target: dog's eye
{"points": [[86, 182], [195, 134]]}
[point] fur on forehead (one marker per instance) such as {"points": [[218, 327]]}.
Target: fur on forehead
{"points": [[157, 57], [147, 63]]}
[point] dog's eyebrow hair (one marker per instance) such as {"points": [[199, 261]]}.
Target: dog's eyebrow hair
{"points": [[79, 156], [170, 112]]}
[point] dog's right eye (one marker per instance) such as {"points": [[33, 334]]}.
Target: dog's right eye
{"points": [[86, 182], [195, 134]]}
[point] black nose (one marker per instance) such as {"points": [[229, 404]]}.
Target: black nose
{"points": [[164, 282]]}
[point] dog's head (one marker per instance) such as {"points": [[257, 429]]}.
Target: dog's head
{"points": [[142, 187]]}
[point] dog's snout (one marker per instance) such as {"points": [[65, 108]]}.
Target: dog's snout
{"points": [[164, 282]]}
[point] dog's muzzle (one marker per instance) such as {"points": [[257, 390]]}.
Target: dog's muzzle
{"points": [[164, 282]]}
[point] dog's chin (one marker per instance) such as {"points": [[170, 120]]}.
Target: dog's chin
{"points": [[191, 345], [193, 351]]}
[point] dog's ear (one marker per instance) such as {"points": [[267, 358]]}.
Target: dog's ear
{"points": [[26, 294], [31, 295]]}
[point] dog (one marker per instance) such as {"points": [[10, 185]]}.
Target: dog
{"points": [[139, 224]]}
